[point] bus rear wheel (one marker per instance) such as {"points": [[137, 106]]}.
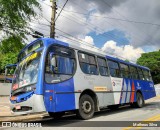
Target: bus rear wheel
{"points": [[86, 107], [140, 101], [56, 115]]}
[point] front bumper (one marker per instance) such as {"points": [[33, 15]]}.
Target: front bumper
{"points": [[32, 105]]}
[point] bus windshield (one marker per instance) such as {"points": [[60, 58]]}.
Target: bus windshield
{"points": [[26, 72]]}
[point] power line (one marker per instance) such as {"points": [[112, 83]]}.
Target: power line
{"points": [[93, 29], [40, 23], [88, 44], [61, 10], [125, 20], [99, 16], [45, 19], [133, 34], [69, 38], [45, 3], [72, 36], [118, 12], [39, 28], [94, 25]]}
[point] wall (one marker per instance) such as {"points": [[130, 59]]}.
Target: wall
{"points": [[5, 89], [157, 88]]}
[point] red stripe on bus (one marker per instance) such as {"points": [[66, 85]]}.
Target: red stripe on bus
{"points": [[132, 93]]}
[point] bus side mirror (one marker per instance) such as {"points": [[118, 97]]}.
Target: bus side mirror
{"points": [[53, 63]]}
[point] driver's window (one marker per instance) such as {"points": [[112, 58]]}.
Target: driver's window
{"points": [[60, 64]]}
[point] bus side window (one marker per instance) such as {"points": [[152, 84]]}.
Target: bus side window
{"points": [[134, 72], [125, 70], [103, 68], [147, 75], [88, 63], [114, 68], [141, 77], [150, 76]]}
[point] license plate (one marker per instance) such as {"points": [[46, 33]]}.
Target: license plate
{"points": [[18, 107]]}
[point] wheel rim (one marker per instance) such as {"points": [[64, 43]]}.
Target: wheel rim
{"points": [[86, 106]]}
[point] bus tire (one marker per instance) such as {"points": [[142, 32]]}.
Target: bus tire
{"points": [[56, 115], [140, 101], [86, 107]]}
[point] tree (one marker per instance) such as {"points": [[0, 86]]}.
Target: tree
{"points": [[9, 49], [11, 44], [152, 61], [14, 15], [126, 60], [9, 58]]}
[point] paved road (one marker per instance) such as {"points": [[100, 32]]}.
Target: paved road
{"points": [[4, 106], [150, 113]]}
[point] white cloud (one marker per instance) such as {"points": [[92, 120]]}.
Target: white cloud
{"points": [[125, 52], [79, 25], [89, 39]]}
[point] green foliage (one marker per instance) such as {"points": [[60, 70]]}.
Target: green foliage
{"points": [[11, 44], [127, 60], [9, 49], [152, 61], [9, 58], [14, 15]]}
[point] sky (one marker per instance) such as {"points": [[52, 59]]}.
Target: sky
{"points": [[123, 28]]}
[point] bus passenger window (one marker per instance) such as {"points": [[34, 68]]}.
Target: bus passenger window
{"points": [[141, 77], [125, 70], [65, 65], [147, 75], [134, 72], [114, 68], [88, 63], [103, 68]]}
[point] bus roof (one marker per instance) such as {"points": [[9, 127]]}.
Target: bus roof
{"points": [[79, 48]]}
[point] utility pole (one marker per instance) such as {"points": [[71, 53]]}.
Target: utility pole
{"points": [[52, 30]]}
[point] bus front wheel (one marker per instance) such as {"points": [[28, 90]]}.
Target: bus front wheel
{"points": [[140, 101], [86, 107], [56, 115]]}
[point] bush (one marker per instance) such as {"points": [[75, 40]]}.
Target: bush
{"points": [[9, 58]]}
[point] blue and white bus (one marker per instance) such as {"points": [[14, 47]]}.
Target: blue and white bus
{"points": [[57, 77]]}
